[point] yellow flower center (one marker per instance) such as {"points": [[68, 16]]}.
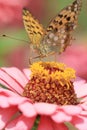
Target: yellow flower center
{"points": [[51, 82]]}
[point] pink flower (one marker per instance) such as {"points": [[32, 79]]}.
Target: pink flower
{"points": [[11, 11], [75, 56], [19, 113]]}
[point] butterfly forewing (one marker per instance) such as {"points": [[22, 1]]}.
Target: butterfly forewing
{"points": [[34, 29], [65, 16], [58, 33]]}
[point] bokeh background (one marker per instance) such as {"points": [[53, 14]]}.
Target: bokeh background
{"points": [[16, 53]]}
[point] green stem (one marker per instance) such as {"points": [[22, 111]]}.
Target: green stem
{"points": [[36, 123]]}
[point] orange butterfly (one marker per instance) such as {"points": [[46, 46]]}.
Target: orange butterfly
{"points": [[57, 36]]}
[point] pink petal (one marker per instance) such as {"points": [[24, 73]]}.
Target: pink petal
{"points": [[83, 113], [45, 108], [20, 99], [80, 122], [84, 106], [5, 95], [60, 117], [84, 109], [21, 123], [60, 126], [72, 110], [6, 92], [16, 74], [46, 123], [4, 102], [27, 109], [14, 79], [79, 81], [65, 113], [27, 73], [81, 90], [5, 115]]}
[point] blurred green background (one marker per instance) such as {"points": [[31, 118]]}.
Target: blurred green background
{"points": [[16, 53]]}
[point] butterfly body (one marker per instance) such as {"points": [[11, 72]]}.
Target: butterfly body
{"points": [[58, 35]]}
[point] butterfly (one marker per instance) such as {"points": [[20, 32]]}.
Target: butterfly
{"points": [[58, 34]]}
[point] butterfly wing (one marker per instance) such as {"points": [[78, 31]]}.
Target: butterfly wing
{"points": [[58, 33], [34, 29]]}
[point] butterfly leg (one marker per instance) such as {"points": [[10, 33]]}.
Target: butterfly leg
{"points": [[36, 57], [30, 61]]}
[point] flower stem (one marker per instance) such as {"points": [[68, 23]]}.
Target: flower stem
{"points": [[36, 123], [70, 126]]}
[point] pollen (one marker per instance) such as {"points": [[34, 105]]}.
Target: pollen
{"points": [[51, 82]]}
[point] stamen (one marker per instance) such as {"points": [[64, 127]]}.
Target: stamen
{"points": [[51, 82]]}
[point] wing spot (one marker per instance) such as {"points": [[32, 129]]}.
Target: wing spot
{"points": [[68, 18], [33, 22], [51, 26], [37, 27], [64, 36], [59, 31], [69, 8], [65, 16], [60, 23], [28, 25], [74, 27], [34, 32], [54, 44], [26, 20], [51, 35], [55, 38], [48, 41], [62, 41], [75, 5], [60, 15], [62, 31], [56, 29], [39, 33], [55, 21], [75, 9]]}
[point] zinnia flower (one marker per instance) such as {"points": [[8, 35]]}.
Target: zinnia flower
{"points": [[44, 96], [11, 11]]}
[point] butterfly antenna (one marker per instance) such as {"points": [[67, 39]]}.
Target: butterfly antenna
{"points": [[14, 38]]}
